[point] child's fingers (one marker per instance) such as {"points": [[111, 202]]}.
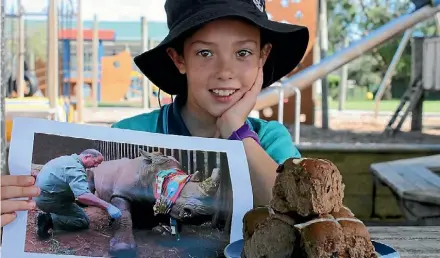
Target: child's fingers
{"points": [[9, 192], [9, 180], [251, 95], [11, 206], [7, 218], [258, 82]]}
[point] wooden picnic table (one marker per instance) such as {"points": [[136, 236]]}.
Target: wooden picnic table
{"points": [[416, 186], [412, 242]]}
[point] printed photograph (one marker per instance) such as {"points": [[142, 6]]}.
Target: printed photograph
{"points": [[110, 199]]}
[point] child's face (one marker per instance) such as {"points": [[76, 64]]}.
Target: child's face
{"points": [[221, 62]]}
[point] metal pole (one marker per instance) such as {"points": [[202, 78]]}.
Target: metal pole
{"points": [[3, 143], [48, 72], [297, 113], [95, 68], [52, 48], [19, 79], [324, 48], [317, 85], [80, 63], [437, 19], [390, 72], [344, 82], [280, 103], [145, 82], [269, 96], [297, 109]]}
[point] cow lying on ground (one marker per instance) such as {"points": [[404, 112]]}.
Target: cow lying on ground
{"points": [[134, 185]]}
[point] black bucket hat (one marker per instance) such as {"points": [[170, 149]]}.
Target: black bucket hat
{"points": [[289, 42]]}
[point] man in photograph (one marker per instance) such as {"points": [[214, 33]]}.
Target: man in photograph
{"points": [[63, 182]]}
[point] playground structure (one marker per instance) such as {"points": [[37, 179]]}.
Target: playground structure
{"points": [[110, 79], [301, 80], [20, 59], [22, 74], [51, 83], [425, 77], [18, 62], [116, 74], [113, 82]]}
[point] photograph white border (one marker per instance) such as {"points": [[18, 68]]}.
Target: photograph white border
{"points": [[20, 159]]}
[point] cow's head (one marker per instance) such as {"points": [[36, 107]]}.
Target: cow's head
{"points": [[196, 200]]}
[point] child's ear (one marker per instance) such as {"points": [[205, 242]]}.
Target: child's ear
{"points": [[178, 60], [265, 51]]}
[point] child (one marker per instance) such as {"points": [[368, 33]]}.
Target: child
{"points": [[216, 58]]}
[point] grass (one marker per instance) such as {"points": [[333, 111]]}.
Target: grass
{"points": [[386, 105]]}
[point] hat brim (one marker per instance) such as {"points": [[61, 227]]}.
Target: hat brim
{"points": [[289, 44]]}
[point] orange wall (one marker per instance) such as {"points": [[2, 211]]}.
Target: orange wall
{"points": [[309, 18], [116, 79], [308, 9]]}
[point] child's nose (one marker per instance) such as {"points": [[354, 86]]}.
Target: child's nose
{"points": [[225, 69]]}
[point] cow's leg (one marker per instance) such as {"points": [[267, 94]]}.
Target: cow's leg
{"points": [[122, 243]]}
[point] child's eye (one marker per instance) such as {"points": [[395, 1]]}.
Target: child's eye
{"points": [[204, 53], [243, 53]]}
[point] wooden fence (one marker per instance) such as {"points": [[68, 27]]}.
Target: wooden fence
{"points": [[191, 161]]}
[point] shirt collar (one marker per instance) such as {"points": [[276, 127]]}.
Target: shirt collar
{"points": [[175, 123], [78, 158]]}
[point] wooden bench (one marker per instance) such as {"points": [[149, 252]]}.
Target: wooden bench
{"points": [[415, 185]]}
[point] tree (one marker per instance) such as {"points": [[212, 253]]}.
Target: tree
{"points": [[356, 19], [341, 17]]}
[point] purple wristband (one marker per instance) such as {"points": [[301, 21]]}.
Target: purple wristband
{"points": [[244, 132]]}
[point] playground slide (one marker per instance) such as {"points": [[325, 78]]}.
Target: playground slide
{"points": [[269, 96]]}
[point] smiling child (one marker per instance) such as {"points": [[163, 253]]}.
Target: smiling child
{"points": [[217, 57]]}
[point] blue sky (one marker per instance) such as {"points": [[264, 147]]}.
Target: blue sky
{"points": [[106, 10]]}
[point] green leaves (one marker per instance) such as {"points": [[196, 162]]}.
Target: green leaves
{"points": [[357, 18]]}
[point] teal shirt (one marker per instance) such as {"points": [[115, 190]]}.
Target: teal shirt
{"points": [[63, 179], [274, 137]]}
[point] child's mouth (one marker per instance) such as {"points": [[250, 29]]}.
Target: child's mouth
{"points": [[222, 93]]}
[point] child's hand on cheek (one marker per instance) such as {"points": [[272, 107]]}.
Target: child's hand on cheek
{"points": [[235, 116]]}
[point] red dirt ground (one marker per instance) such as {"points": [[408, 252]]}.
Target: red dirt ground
{"points": [[200, 241]]}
